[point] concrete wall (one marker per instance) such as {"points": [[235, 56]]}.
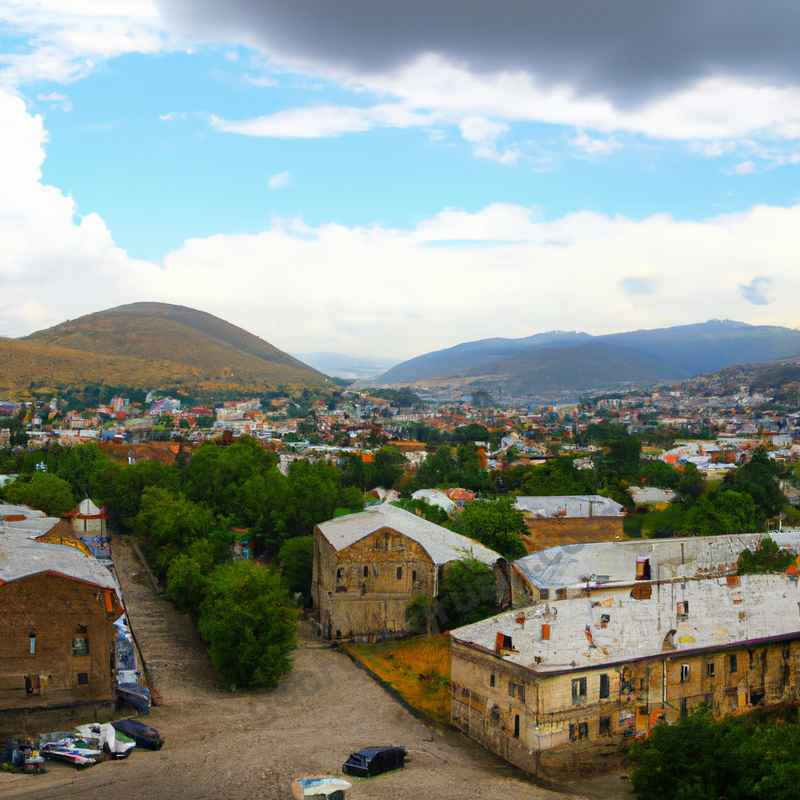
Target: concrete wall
{"points": [[555, 732], [53, 607], [362, 591], [544, 533]]}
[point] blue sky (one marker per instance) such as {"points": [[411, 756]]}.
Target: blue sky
{"points": [[393, 199]]}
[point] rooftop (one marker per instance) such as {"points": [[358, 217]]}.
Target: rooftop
{"points": [[591, 632], [570, 506], [441, 544]]}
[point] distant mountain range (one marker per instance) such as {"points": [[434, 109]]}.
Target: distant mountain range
{"points": [[149, 345], [341, 365], [561, 361]]}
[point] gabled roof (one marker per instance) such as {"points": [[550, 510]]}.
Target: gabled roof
{"points": [[441, 544], [21, 558]]}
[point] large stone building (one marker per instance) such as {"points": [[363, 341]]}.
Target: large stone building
{"points": [[563, 684], [367, 566], [570, 519], [57, 608], [579, 569]]}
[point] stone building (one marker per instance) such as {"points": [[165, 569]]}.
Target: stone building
{"points": [[564, 684], [578, 569], [570, 519], [367, 566], [57, 608]]}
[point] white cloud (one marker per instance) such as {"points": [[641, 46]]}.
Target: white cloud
{"points": [[483, 134], [592, 146], [279, 181], [457, 275], [744, 168], [260, 81], [232, 56], [55, 99]]}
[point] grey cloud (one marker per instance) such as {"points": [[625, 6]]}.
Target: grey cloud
{"points": [[629, 51], [757, 291], [638, 286]]}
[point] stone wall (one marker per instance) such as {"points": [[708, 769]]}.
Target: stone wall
{"points": [[552, 532]]}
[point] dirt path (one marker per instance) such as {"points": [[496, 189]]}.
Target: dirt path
{"points": [[250, 745]]}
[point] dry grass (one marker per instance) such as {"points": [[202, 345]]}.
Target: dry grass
{"points": [[418, 669]]}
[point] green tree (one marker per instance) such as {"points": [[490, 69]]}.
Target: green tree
{"points": [[420, 614], [690, 485], [188, 576], [759, 478], [494, 523], [296, 558], [43, 491], [250, 624], [722, 511], [388, 467], [558, 477], [468, 592], [767, 557]]}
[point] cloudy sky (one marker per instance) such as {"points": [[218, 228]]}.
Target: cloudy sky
{"points": [[385, 179]]}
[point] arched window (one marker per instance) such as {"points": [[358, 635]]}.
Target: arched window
{"points": [[80, 641]]}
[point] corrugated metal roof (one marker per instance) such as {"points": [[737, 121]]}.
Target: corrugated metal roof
{"points": [[570, 506], [719, 615], [441, 544]]}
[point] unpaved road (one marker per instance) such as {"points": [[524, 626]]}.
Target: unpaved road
{"points": [[248, 746]]}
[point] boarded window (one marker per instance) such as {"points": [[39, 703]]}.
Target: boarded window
{"points": [[578, 691], [605, 686]]}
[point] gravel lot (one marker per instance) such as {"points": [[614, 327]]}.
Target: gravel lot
{"points": [[250, 745]]}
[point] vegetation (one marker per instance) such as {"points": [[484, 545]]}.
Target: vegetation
{"points": [[468, 592], [767, 557], [494, 523], [296, 558], [48, 493], [699, 758]]}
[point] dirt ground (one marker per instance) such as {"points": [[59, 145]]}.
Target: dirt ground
{"points": [[249, 745]]}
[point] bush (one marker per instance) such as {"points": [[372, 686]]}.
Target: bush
{"points": [[250, 624], [468, 592], [768, 557], [296, 558], [43, 491], [419, 614], [495, 524]]}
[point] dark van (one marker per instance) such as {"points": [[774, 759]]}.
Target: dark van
{"points": [[374, 760]]}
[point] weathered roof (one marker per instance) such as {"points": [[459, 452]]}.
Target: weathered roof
{"points": [[8, 510], [440, 544], [650, 495], [21, 557], [570, 506], [435, 497], [615, 562], [30, 526], [755, 607]]}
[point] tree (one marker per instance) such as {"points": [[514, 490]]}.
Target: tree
{"points": [[759, 478], [420, 614], [663, 524], [722, 511], [468, 592], [250, 624], [767, 557], [388, 467], [188, 576], [558, 477], [43, 491], [296, 558], [494, 523], [690, 485]]}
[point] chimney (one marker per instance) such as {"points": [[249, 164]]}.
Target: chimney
{"points": [[545, 631]]}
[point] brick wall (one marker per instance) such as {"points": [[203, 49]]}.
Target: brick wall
{"points": [[544, 533]]}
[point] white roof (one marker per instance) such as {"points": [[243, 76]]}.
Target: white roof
{"points": [[440, 544], [576, 505], [650, 495], [435, 497], [87, 507], [7, 510], [21, 557], [761, 607], [615, 562]]}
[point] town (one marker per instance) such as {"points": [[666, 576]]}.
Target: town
{"points": [[560, 579]]}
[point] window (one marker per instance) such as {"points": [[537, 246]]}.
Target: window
{"points": [[733, 663], [711, 669], [365, 571], [516, 690], [583, 730], [684, 673], [604, 620], [578, 691], [80, 642], [83, 679], [604, 728], [561, 594], [414, 575], [32, 643], [492, 680], [683, 609], [516, 726], [544, 594], [684, 706], [605, 687], [339, 574], [399, 573]]}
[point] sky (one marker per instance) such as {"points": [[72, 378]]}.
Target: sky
{"points": [[388, 179]]}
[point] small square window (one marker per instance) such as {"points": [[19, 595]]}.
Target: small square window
{"points": [[83, 679]]}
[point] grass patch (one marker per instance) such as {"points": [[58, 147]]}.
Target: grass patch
{"points": [[418, 669]]}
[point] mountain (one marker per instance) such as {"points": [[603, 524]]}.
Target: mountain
{"points": [[570, 361], [150, 345], [345, 366]]}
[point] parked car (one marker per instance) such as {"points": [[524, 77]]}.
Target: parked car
{"points": [[374, 760]]}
